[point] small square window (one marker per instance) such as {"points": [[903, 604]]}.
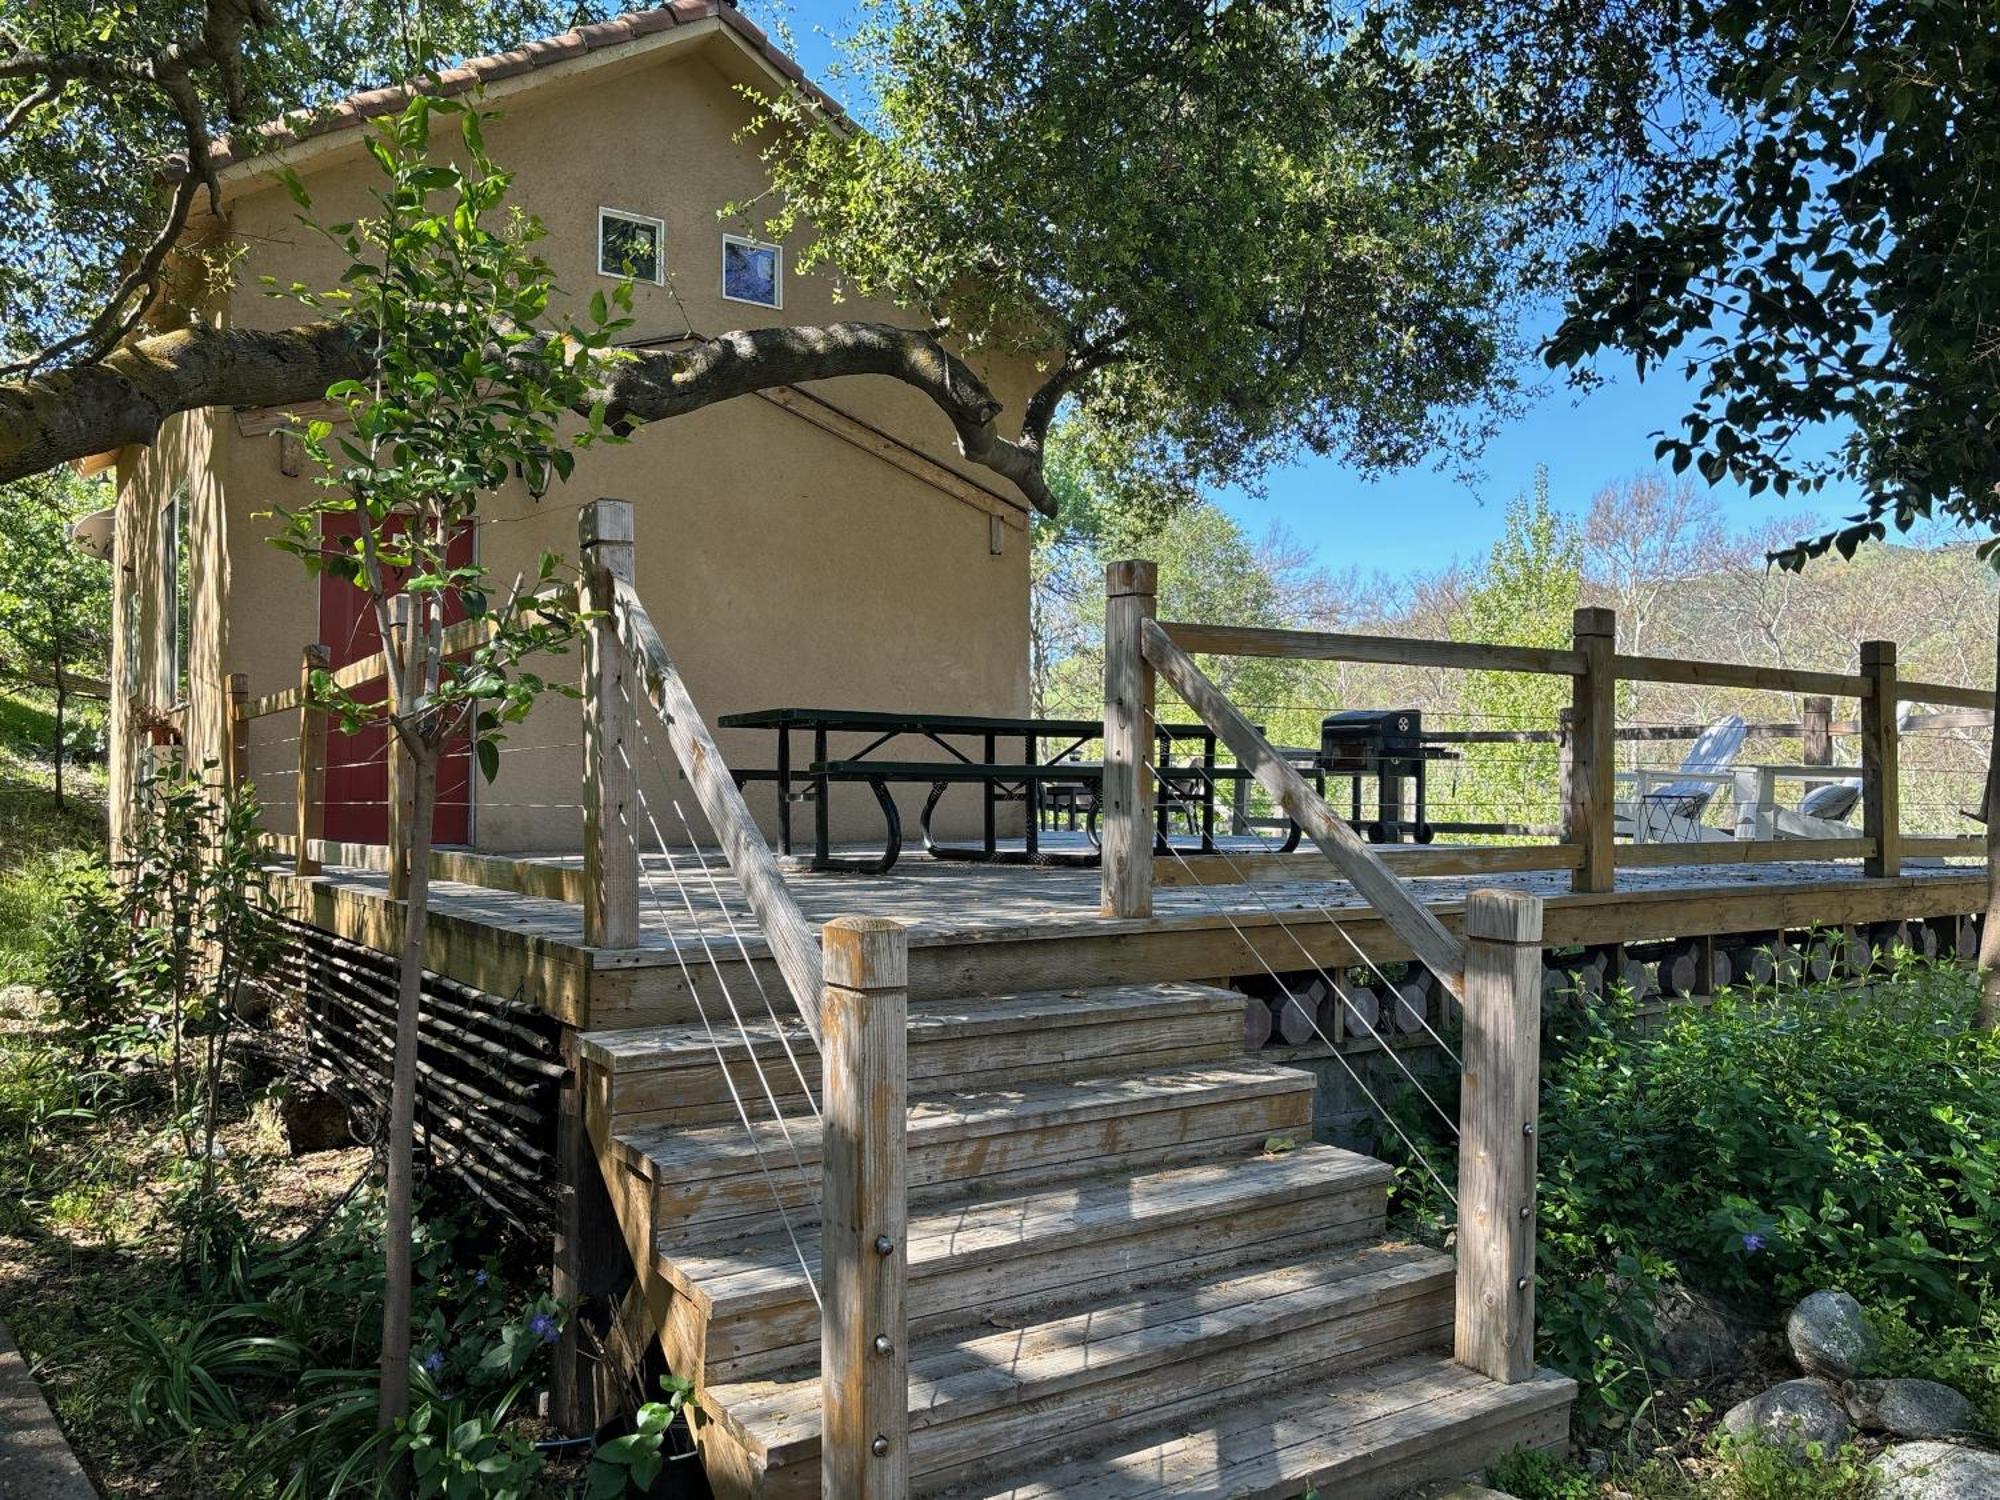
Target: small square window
{"points": [[631, 244], [752, 271]]}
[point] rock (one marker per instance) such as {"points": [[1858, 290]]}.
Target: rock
{"points": [[1830, 1337], [1937, 1471], [313, 1122], [1790, 1416], [1696, 1336], [1909, 1408]]}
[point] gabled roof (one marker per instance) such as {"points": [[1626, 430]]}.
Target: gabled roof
{"points": [[618, 38]]}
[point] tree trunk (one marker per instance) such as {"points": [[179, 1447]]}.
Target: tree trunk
{"points": [[395, 1402], [1989, 933], [62, 701]]}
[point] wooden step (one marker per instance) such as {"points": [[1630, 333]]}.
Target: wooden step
{"points": [[665, 1075], [1082, 1378], [1043, 1248], [1360, 1435], [719, 1182]]}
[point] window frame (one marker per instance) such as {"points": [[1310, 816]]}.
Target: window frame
{"points": [[777, 279], [659, 228]]}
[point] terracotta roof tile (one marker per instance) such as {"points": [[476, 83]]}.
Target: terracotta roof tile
{"points": [[530, 56]]}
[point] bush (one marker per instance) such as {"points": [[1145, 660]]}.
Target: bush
{"points": [[1761, 1149], [1533, 1474], [1965, 1357]]}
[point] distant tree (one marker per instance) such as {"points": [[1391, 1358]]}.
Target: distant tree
{"points": [[1820, 248], [55, 602], [1526, 596], [1643, 536]]}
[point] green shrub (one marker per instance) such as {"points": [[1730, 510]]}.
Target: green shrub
{"points": [[1760, 1150], [1761, 1471], [34, 897], [1965, 1356], [1535, 1474]]}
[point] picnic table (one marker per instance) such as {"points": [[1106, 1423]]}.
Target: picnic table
{"points": [[972, 746]]}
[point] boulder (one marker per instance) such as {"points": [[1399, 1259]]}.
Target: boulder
{"points": [[313, 1121], [1937, 1471], [1790, 1416], [1830, 1336], [1697, 1338], [1909, 1408]]}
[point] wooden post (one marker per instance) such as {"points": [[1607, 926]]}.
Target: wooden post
{"points": [[1127, 796], [1881, 788], [864, 1326], [1591, 794], [402, 784], [1816, 731], [239, 731], [610, 734], [1495, 1330], [309, 821]]}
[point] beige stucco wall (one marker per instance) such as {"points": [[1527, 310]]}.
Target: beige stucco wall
{"points": [[783, 564]]}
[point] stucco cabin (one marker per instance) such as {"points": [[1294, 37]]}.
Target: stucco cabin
{"points": [[821, 546]]}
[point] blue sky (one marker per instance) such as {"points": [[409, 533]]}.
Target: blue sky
{"points": [[1420, 519]]}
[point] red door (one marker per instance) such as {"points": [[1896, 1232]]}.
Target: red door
{"points": [[357, 765]]}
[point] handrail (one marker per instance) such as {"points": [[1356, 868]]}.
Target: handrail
{"points": [[794, 946], [466, 635], [1408, 918], [1387, 650]]}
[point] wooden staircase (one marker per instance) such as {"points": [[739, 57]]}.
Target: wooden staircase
{"points": [[1131, 1271]]}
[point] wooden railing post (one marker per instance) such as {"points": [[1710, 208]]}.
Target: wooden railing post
{"points": [[1591, 794], [238, 764], [610, 733], [864, 1326], [309, 822], [1881, 780], [1495, 1327], [402, 783], [1126, 799], [1816, 731]]}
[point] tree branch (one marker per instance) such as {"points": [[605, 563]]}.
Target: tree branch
{"points": [[86, 409]]}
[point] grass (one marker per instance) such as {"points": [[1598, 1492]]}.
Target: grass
{"points": [[41, 845]]}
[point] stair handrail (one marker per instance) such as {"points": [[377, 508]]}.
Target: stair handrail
{"points": [[1494, 972], [1135, 648], [622, 632]]}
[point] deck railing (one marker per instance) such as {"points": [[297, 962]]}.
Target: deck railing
{"points": [[1494, 971], [1586, 844]]}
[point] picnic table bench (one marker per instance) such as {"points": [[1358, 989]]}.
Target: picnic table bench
{"points": [[1186, 790]]}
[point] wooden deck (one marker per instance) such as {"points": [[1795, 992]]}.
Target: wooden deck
{"points": [[973, 927]]}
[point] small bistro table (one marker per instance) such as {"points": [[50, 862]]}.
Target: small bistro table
{"points": [[972, 745]]}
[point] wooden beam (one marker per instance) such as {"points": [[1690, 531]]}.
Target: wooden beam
{"points": [[1126, 795], [1405, 859], [1741, 852], [864, 1251], [1399, 651], [1494, 1329], [1881, 779], [1963, 846], [1413, 922], [238, 727], [1937, 692], [785, 930], [309, 788], [1738, 675], [610, 733], [1590, 797]]}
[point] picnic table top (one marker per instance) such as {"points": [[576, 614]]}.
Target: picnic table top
{"points": [[918, 722]]}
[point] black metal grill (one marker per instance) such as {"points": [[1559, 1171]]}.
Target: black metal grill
{"points": [[1387, 744]]}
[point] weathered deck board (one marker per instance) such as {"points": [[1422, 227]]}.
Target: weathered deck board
{"points": [[975, 927]]}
